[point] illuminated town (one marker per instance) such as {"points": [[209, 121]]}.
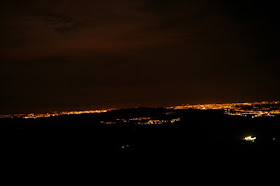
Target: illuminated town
{"points": [[46, 115], [142, 121], [248, 109], [254, 109]]}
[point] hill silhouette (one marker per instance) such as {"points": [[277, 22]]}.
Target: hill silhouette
{"points": [[196, 132]]}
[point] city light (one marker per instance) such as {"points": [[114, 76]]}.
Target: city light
{"points": [[254, 109], [142, 121], [247, 109], [52, 114], [250, 138]]}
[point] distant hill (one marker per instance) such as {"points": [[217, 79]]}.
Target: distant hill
{"points": [[141, 130]]}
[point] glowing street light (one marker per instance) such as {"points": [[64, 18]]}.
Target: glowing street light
{"points": [[250, 138]]}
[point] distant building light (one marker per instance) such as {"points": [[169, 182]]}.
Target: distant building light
{"points": [[125, 146], [250, 138]]}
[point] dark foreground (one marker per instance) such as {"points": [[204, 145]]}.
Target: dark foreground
{"points": [[198, 134]]}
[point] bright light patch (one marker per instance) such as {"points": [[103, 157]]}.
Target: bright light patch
{"points": [[250, 138]]}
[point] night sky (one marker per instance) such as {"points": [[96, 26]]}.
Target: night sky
{"points": [[87, 54]]}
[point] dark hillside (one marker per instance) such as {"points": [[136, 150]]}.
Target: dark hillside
{"points": [[198, 132]]}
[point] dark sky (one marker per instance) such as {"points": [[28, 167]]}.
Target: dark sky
{"points": [[86, 54]]}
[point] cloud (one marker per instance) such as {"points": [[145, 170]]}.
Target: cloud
{"points": [[61, 23]]}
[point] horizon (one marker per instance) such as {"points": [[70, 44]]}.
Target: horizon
{"points": [[89, 111], [79, 108]]}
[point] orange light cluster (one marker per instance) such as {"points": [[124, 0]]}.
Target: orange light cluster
{"points": [[143, 121], [254, 109], [46, 115]]}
